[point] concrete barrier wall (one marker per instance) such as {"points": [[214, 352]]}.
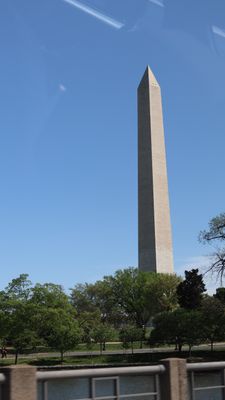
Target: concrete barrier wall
{"points": [[20, 382]]}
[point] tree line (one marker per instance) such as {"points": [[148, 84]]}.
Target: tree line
{"points": [[119, 307], [116, 307], [199, 318]]}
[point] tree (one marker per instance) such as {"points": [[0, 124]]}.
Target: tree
{"points": [[213, 319], [192, 325], [220, 295], [87, 322], [4, 326], [5, 313], [59, 329], [129, 296], [19, 288], [215, 235], [22, 332], [49, 295], [18, 314], [55, 317], [189, 292], [130, 334], [101, 334], [216, 230], [97, 297], [177, 327], [162, 290], [141, 295], [104, 298], [81, 299]]}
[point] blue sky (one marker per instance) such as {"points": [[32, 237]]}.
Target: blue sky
{"points": [[68, 130]]}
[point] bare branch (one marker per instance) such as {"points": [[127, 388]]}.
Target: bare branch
{"points": [[218, 265], [216, 230]]}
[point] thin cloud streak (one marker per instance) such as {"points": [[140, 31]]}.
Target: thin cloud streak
{"points": [[157, 2], [96, 14], [218, 31]]}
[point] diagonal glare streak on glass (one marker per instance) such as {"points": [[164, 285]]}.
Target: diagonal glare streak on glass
{"points": [[218, 31], [96, 14], [157, 2]]}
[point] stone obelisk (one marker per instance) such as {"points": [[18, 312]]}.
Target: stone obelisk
{"points": [[154, 230]]}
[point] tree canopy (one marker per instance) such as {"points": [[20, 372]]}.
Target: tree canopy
{"points": [[119, 306]]}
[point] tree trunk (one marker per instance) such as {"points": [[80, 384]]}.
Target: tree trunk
{"points": [[144, 334], [61, 358], [100, 348], [190, 347], [132, 347], [176, 344], [16, 357], [211, 345], [179, 347]]}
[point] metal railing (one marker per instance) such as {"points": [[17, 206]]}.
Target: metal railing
{"points": [[2, 380], [167, 381], [101, 383], [206, 381]]}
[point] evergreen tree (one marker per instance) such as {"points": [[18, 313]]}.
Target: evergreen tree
{"points": [[189, 292]]}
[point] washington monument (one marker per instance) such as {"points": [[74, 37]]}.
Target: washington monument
{"points": [[154, 230]]}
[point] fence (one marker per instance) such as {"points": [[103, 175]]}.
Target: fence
{"points": [[206, 381], [173, 379], [104, 383]]}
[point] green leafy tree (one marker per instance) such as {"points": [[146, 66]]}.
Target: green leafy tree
{"points": [[162, 291], [82, 299], [130, 296], [4, 326], [22, 333], [220, 295], [194, 334], [97, 297], [213, 320], [190, 291], [141, 295], [103, 333], [56, 319], [87, 322], [5, 314], [103, 296], [49, 295], [17, 315], [177, 327], [59, 329], [130, 334], [19, 288], [168, 329]]}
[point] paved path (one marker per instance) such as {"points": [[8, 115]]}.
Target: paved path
{"points": [[112, 352], [90, 353]]}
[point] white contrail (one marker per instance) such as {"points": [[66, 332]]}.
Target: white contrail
{"points": [[94, 13], [218, 31], [157, 2]]}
